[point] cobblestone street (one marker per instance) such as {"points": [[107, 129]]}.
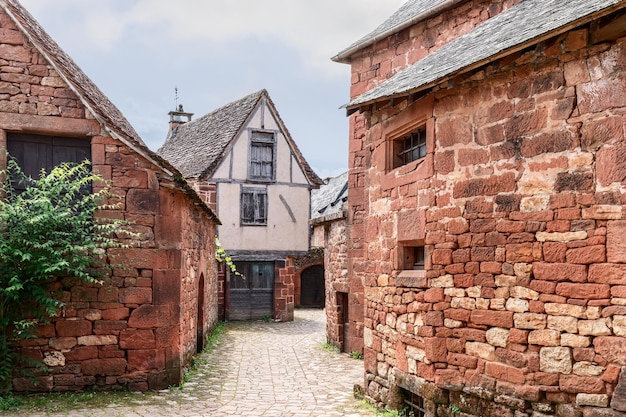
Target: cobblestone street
{"points": [[258, 369]]}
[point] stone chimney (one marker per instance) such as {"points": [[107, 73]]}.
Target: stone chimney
{"points": [[178, 117]]}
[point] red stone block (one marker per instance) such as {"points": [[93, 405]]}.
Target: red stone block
{"points": [[519, 252], [433, 318], [104, 367], [554, 251], [144, 360], [441, 256], [504, 372], [485, 280], [435, 348], [449, 379], [136, 295], [492, 318], [559, 272], [463, 280], [465, 361], [115, 314], [466, 333], [483, 254], [73, 328], [542, 378], [607, 274], [147, 317], [459, 314], [581, 384], [81, 353], [583, 291], [545, 287], [137, 339], [433, 295]]}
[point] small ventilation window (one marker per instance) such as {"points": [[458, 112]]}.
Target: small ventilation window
{"points": [[410, 148], [414, 404]]}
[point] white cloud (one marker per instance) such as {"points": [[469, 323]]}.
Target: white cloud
{"points": [[316, 30]]}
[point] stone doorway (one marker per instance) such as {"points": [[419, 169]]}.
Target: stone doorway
{"points": [[312, 287]]}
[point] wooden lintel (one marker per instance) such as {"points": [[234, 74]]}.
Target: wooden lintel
{"points": [[50, 125]]}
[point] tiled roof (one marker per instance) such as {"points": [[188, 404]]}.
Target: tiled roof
{"points": [[330, 198], [197, 147], [517, 26], [90, 95], [409, 14]]}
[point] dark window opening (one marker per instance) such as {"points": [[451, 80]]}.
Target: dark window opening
{"points": [[262, 156], [414, 404], [414, 257], [253, 206], [410, 148], [36, 152]]}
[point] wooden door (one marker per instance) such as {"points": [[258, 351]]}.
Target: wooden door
{"points": [[252, 293]]}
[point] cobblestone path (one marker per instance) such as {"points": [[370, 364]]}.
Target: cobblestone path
{"points": [[258, 369]]}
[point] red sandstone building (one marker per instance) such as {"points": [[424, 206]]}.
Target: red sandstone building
{"points": [[143, 325], [487, 193], [343, 297]]}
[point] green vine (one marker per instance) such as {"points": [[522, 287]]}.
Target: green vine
{"points": [[50, 238], [222, 256]]}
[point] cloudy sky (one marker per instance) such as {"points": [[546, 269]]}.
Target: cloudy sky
{"points": [[217, 51]]}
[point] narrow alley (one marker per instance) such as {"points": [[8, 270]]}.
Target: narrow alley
{"points": [[258, 369]]}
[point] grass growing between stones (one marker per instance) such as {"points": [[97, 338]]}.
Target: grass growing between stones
{"points": [[62, 402], [198, 361], [329, 347]]}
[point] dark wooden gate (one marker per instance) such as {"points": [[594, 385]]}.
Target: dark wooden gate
{"points": [[312, 287], [252, 295]]}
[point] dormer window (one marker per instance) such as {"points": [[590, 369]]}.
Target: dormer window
{"points": [[262, 156]]}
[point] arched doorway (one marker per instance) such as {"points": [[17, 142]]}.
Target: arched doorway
{"points": [[312, 292], [200, 316]]}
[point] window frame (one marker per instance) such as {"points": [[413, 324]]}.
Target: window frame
{"points": [[262, 138], [257, 219], [417, 115]]}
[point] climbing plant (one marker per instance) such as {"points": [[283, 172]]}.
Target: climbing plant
{"points": [[48, 232], [222, 256]]}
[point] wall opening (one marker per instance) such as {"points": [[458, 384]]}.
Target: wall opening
{"points": [[312, 292], [200, 316]]}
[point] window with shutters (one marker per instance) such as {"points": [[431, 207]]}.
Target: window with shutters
{"points": [[36, 152], [262, 156], [253, 206]]}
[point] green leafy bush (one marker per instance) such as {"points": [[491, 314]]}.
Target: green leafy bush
{"points": [[48, 233]]}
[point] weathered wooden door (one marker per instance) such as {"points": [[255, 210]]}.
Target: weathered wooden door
{"points": [[252, 294]]}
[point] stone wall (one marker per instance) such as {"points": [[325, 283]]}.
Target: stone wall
{"points": [[520, 206], [138, 328], [284, 302]]}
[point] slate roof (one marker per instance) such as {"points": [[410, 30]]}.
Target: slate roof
{"points": [[89, 94], [328, 201], [515, 28], [197, 147], [407, 15]]}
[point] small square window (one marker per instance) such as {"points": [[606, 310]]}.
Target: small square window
{"points": [[253, 206], [410, 147], [413, 258]]}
